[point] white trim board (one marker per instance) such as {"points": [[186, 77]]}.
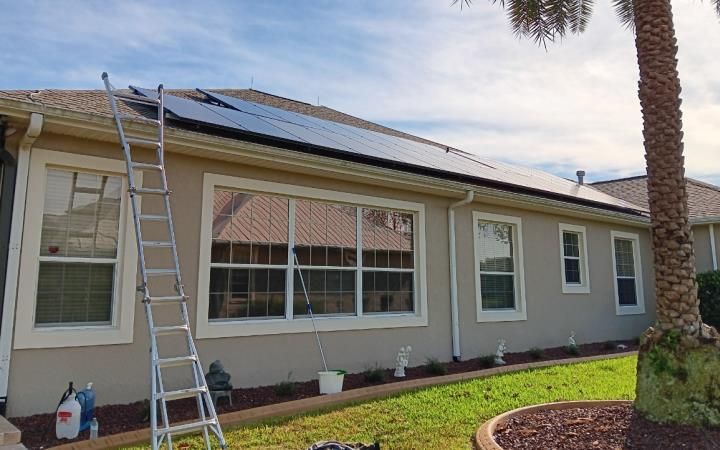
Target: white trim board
{"points": [[121, 329], [520, 311], [230, 328]]}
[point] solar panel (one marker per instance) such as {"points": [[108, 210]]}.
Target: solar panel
{"points": [[264, 120]]}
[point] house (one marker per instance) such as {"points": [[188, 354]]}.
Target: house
{"points": [[703, 210], [402, 241]]}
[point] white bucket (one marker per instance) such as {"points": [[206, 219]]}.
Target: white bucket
{"points": [[331, 382]]}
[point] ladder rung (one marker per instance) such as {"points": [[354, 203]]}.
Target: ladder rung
{"points": [[160, 272], [153, 218], [145, 166], [167, 299], [182, 393], [141, 141], [159, 244], [176, 361], [136, 98], [174, 329], [187, 427], [139, 119], [150, 191]]}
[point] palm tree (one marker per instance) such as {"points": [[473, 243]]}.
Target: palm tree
{"points": [[679, 358]]}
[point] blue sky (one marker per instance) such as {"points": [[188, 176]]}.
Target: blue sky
{"points": [[460, 78]]}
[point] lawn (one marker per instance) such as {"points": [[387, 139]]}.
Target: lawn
{"points": [[439, 417]]}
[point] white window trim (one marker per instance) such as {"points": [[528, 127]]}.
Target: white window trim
{"points": [[207, 329], [584, 286], [520, 312], [120, 331], [628, 309]]}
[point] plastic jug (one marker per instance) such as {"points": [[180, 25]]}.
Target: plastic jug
{"points": [[67, 423], [86, 397]]}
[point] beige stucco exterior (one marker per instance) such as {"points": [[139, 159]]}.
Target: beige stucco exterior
{"points": [[121, 374]]}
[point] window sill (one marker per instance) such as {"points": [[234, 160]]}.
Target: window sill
{"points": [[57, 337], [501, 316], [574, 289], [210, 330], [629, 310]]}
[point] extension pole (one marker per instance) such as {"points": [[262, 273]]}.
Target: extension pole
{"points": [[309, 308]]}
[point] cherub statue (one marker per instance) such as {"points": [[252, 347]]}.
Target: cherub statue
{"points": [[571, 340], [401, 361], [502, 348], [217, 379]]}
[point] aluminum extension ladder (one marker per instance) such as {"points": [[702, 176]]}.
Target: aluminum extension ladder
{"points": [[206, 420]]}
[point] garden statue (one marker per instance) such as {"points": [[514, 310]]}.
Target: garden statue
{"points": [[401, 361], [500, 353], [571, 340], [218, 382]]}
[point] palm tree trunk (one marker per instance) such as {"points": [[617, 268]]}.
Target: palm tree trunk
{"points": [[659, 92], [679, 357]]}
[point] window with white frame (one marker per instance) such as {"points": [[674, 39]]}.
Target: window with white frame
{"points": [[499, 276], [362, 259], [628, 273], [574, 260], [78, 263], [345, 253], [78, 248]]}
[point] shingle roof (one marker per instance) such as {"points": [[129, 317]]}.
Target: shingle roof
{"points": [[483, 172], [703, 198]]}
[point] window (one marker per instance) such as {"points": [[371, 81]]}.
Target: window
{"points": [[628, 273], [573, 259], [78, 261], [499, 278], [357, 256]]}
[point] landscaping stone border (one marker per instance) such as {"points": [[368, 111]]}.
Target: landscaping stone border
{"points": [[484, 436], [232, 419]]}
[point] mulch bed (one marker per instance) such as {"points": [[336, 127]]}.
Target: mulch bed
{"points": [[115, 419], [601, 428]]}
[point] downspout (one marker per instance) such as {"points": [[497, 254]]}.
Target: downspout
{"points": [[13, 258], [454, 312], [713, 248]]}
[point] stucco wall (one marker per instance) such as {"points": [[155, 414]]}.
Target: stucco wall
{"points": [[121, 373]]}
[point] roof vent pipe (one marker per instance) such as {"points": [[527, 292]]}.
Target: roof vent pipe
{"points": [[581, 177]]}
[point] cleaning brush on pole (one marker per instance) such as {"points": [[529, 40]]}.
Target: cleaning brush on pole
{"points": [[309, 308]]}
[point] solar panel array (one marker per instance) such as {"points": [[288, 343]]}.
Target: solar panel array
{"points": [[262, 120]]}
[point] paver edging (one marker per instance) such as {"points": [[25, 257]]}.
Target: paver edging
{"points": [[292, 407], [484, 436]]}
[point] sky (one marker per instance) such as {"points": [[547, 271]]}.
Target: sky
{"points": [[457, 77]]}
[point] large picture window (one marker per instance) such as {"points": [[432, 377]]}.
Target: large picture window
{"points": [[628, 275], [354, 260], [499, 279], [362, 260]]}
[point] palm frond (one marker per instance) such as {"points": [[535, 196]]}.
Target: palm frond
{"points": [[581, 13], [624, 9], [461, 2], [716, 6]]}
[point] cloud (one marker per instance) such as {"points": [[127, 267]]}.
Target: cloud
{"points": [[460, 78]]}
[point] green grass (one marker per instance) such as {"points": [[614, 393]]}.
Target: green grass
{"points": [[439, 417]]}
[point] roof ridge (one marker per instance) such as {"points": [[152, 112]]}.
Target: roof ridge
{"points": [[703, 184], [617, 180]]}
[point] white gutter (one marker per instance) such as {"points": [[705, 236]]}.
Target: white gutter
{"points": [[713, 249], [454, 312], [13, 264]]}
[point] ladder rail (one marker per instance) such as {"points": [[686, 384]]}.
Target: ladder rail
{"points": [[207, 421]]}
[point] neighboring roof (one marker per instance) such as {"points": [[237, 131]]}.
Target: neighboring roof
{"points": [[475, 170], [703, 198]]}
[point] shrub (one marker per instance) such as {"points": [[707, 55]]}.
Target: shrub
{"points": [[435, 367], [486, 361], [572, 350], [536, 353], [709, 295], [285, 388], [374, 374], [609, 345]]}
